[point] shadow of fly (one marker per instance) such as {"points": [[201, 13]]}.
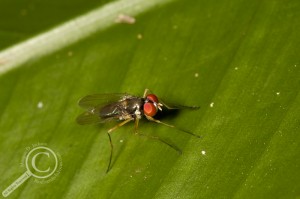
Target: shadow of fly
{"points": [[125, 108]]}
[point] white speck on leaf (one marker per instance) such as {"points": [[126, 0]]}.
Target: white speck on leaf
{"points": [[40, 105], [203, 152], [139, 36], [211, 104], [196, 75]]}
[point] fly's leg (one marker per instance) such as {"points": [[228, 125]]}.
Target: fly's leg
{"points": [[136, 125], [146, 92], [111, 152], [158, 121], [119, 125], [176, 107], [111, 144], [171, 126], [154, 137], [162, 141]]}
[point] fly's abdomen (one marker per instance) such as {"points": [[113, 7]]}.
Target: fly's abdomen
{"points": [[110, 110]]}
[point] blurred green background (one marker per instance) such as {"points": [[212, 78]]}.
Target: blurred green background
{"points": [[238, 60]]}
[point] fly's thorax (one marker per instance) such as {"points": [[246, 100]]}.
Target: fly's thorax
{"points": [[134, 107], [138, 113]]}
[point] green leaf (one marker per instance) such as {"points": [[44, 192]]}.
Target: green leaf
{"points": [[239, 61]]}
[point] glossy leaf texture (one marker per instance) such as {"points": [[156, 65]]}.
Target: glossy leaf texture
{"points": [[238, 60]]}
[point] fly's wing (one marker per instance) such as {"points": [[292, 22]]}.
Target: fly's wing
{"points": [[99, 100], [88, 118], [91, 118], [94, 103]]}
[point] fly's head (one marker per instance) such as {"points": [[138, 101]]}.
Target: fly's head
{"points": [[151, 105]]}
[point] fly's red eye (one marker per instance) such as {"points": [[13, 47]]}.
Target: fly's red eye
{"points": [[150, 109], [152, 98]]}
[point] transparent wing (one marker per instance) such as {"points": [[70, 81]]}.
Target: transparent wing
{"points": [[91, 118], [98, 100]]}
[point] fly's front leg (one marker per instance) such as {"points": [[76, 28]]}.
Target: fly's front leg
{"points": [[171, 126], [158, 121], [176, 107]]}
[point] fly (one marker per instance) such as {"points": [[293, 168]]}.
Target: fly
{"points": [[125, 108]]}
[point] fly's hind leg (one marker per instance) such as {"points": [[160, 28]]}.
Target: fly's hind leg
{"points": [[111, 144]]}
